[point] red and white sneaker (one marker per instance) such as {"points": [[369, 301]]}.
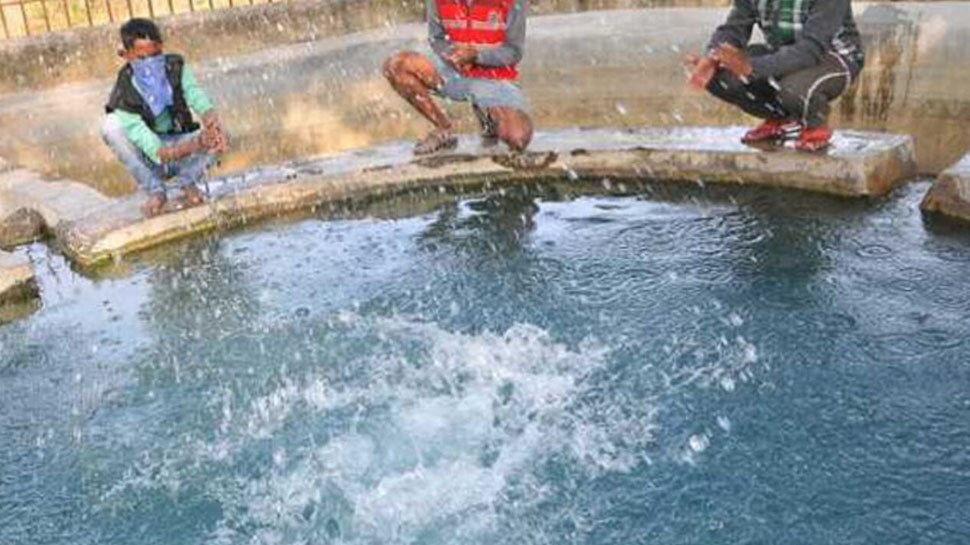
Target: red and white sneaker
{"points": [[773, 130], [814, 139]]}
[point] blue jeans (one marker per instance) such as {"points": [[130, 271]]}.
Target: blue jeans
{"points": [[151, 176]]}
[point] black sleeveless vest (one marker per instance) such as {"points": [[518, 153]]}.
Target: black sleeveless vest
{"points": [[125, 97]]}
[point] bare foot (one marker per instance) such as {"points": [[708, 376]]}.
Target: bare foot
{"points": [[154, 205], [193, 197]]}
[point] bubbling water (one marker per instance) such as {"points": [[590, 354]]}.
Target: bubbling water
{"points": [[674, 367], [437, 437]]}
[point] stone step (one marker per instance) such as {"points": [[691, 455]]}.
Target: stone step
{"points": [[950, 193], [30, 203], [18, 225], [858, 164], [56, 200], [17, 282]]}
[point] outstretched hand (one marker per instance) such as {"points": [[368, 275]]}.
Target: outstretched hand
{"points": [[726, 56], [701, 70]]}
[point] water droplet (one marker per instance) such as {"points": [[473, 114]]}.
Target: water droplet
{"points": [[571, 174], [698, 442], [279, 457], [750, 354]]}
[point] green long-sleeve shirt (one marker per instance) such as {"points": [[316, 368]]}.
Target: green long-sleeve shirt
{"points": [[145, 137]]}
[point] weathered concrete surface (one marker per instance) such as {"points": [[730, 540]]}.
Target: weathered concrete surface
{"points": [[950, 194], [609, 68], [857, 165], [81, 54], [30, 203], [17, 282]]}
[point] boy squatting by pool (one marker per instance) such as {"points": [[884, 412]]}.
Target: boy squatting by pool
{"points": [[476, 46], [812, 55], [149, 123]]}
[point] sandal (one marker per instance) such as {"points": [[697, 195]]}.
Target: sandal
{"points": [[154, 205], [526, 160], [193, 197], [437, 140]]}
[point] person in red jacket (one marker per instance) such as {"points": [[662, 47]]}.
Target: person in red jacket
{"points": [[477, 45]]}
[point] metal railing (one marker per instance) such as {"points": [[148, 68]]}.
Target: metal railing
{"points": [[30, 17]]}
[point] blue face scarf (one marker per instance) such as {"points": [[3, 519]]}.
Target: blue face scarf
{"points": [[152, 82]]}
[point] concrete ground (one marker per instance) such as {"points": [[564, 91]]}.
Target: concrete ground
{"points": [[859, 164]]}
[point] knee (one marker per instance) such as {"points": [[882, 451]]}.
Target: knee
{"points": [[516, 133], [398, 64]]}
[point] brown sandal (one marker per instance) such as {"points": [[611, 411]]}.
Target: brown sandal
{"points": [[154, 205], [437, 140], [520, 160], [193, 197]]}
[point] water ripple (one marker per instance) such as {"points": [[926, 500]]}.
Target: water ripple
{"points": [[827, 322], [920, 344], [951, 253], [874, 251]]}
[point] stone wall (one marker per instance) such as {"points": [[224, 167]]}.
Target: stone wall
{"points": [[617, 68], [90, 53]]}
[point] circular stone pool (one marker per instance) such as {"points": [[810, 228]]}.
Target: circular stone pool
{"points": [[670, 365]]}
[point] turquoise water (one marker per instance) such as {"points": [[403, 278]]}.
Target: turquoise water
{"points": [[671, 365]]}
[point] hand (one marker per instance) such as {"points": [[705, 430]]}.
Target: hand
{"points": [[185, 148], [734, 60], [214, 138], [701, 70], [462, 55]]}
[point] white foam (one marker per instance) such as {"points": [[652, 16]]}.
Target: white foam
{"points": [[450, 421], [481, 409]]}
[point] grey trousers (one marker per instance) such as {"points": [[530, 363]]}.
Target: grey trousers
{"points": [[804, 95]]}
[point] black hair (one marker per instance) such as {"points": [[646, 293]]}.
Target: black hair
{"points": [[139, 28]]}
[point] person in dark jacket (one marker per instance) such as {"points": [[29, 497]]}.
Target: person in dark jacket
{"points": [[150, 125], [812, 55]]}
